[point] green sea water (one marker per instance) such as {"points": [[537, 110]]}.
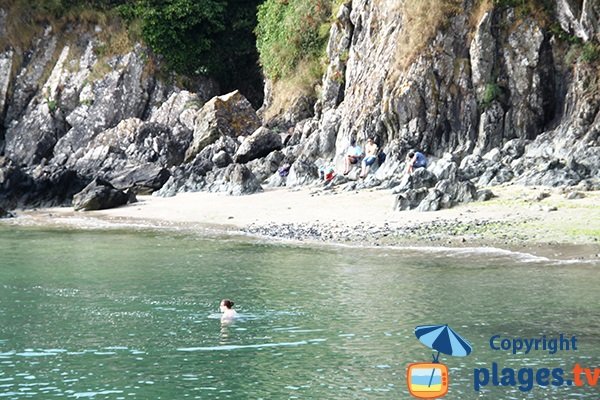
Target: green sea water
{"points": [[125, 314]]}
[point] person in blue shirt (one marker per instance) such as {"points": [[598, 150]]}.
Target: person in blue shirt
{"points": [[415, 159]]}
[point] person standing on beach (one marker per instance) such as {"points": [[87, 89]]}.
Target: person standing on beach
{"points": [[226, 307]]}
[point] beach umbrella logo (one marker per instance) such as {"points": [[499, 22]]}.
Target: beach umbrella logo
{"points": [[431, 380]]}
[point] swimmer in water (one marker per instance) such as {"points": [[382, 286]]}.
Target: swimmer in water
{"points": [[226, 308]]}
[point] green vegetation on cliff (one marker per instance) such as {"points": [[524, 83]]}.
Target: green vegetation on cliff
{"points": [[289, 32], [203, 37], [291, 40]]}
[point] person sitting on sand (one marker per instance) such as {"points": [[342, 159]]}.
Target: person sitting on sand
{"points": [[370, 156], [415, 159], [226, 307], [353, 156]]}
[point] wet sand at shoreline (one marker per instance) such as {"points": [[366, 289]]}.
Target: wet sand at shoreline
{"points": [[515, 219]]}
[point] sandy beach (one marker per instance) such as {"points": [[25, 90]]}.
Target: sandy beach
{"points": [[541, 221]]}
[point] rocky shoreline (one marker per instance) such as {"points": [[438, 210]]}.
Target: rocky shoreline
{"points": [[447, 234], [435, 232], [552, 227]]}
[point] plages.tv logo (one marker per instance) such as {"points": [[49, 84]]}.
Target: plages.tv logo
{"points": [[430, 380]]}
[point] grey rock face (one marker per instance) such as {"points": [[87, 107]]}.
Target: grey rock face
{"points": [[410, 199], [34, 137], [99, 195], [338, 49], [484, 195], [421, 178], [435, 200], [203, 172], [483, 53], [302, 172], [3, 15], [259, 144], [495, 175], [434, 188], [491, 128], [41, 118], [444, 168], [6, 63], [26, 82], [514, 148], [530, 81], [574, 195], [125, 86], [320, 138], [43, 186], [141, 179], [133, 154], [414, 189], [179, 111], [225, 144], [237, 180], [221, 159], [265, 167], [579, 18], [191, 178], [14, 183], [457, 191], [37, 123], [275, 181], [227, 115]]}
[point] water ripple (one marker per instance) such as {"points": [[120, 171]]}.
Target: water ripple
{"points": [[243, 346]]}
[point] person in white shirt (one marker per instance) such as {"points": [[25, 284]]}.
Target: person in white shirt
{"points": [[353, 156]]}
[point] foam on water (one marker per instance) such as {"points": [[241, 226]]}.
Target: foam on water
{"points": [[81, 395], [239, 347], [490, 253]]}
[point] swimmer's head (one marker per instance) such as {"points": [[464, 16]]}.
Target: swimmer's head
{"points": [[226, 304]]}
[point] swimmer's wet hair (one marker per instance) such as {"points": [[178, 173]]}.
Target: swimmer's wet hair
{"points": [[227, 303]]}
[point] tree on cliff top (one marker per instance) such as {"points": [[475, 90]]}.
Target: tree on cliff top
{"points": [[204, 37]]}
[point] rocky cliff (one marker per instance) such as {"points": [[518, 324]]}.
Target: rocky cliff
{"points": [[493, 95], [503, 94]]}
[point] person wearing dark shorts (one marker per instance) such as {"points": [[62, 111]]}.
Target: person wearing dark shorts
{"points": [[353, 156]]}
